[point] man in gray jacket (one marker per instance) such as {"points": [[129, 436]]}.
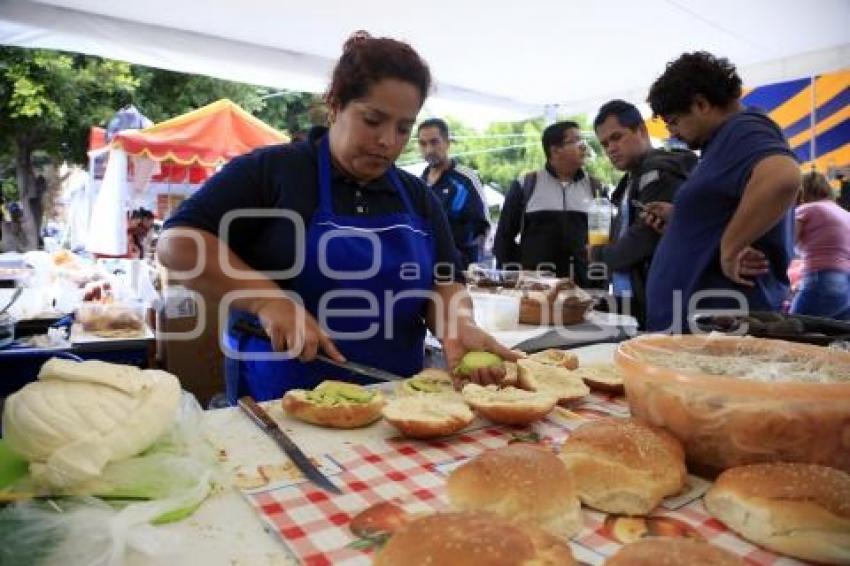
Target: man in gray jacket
{"points": [[652, 175], [543, 225]]}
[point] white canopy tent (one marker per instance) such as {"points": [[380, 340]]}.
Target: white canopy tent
{"points": [[496, 59]]}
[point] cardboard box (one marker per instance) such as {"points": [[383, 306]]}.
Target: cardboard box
{"points": [[198, 362]]}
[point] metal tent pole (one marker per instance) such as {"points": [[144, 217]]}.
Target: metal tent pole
{"points": [[813, 124]]}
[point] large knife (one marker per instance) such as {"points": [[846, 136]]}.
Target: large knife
{"points": [[375, 373], [270, 427]]}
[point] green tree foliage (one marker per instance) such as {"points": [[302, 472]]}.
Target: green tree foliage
{"points": [[292, 111], [49, 100], [164, 94]]}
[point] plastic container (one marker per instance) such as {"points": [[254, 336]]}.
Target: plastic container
{"points": [[599, 221], [110, 318], [726, 420], [495, 312]]}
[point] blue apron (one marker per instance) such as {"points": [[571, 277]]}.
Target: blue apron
{"points": [[401, 266]]}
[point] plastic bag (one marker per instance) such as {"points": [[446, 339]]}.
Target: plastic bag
{"points": [[108, 234], [166, 483]]}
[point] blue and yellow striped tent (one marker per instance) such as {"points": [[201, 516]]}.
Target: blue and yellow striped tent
{"points": [[823, 142]]}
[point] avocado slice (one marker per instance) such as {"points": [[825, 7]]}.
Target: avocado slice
{"points": [[334, 392], [475, 360], [425, 385], [321, 398]]}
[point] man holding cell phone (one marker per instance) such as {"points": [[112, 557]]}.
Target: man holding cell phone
{"points": [[651, 176]]}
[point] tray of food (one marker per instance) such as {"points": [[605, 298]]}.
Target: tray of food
{"points": [[111, 320], [791, 327], [544, 300]]}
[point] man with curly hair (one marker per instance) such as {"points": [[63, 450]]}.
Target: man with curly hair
{"points": [[730, 227]]}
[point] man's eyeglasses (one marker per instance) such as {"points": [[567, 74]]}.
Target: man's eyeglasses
{"points": [[579, 143]]}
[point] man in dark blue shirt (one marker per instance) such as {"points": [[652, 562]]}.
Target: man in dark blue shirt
{"points": [[458, 189], [728, 236]]}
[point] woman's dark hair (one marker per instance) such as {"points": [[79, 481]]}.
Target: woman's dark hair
{"points": [[691, 74], [367, 60], [815, 187], [554, 135]]}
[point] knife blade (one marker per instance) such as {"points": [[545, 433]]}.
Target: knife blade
{"points": [[375, 373], [262, 419]]}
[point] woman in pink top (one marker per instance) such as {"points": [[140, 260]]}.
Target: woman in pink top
{"points": [[823, 242]]}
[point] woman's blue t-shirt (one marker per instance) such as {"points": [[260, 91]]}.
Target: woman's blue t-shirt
{"points": [[687, 260]]}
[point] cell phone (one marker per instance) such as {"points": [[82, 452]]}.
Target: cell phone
{"points": [[639, 205]]}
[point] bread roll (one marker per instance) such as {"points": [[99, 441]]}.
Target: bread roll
{"points": [[511, 374], [802, 510], [509, 405], [603, 377], [553, 357], [428, 416], [560, 382], [624, 466], [520, 482], [335, 404], [473, 537], [664, 551], [430, 381]]}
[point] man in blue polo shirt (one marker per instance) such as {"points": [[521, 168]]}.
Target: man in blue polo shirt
{"points": [[728, 235], [458, 189]]}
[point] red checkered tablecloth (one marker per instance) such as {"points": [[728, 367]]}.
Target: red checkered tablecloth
{"points": [[315, 525]]}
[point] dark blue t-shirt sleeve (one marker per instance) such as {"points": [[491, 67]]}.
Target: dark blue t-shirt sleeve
{"points": [[760, 138], [237, 186]]}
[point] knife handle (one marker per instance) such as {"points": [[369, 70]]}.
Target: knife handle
{"points": [[260, 416]]}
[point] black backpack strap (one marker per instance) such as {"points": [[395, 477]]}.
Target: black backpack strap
{"points": [[529, 182]]}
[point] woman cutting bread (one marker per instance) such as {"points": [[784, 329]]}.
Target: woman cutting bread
{"points": [[327, 245]]}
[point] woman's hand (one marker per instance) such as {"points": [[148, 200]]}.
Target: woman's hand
{"points": [[744, 265], [471, 338], [293, 329], [657, 214]]}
